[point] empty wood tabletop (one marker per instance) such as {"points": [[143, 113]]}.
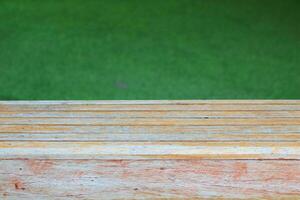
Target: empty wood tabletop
{"points": [[189, 149]]}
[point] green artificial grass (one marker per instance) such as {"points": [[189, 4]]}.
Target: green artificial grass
{"points": [[149, 49]]}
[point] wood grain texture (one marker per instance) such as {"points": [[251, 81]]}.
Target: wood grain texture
{"points": [[194, 149], [149, 179], [149, 150], [150, 129]]}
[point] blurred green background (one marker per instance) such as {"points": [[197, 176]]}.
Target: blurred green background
{"points": [[149, 49]]}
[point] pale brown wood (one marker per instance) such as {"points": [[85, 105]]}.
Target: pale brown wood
{"points": [[220, 149], [151, 179]]}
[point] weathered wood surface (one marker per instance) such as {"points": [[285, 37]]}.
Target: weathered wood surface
{"points": [[150, 129], [139, 179], [219, 149]]}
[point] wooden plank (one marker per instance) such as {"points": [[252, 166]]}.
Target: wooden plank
{"points": [[224, 105], [108, 137], [149, 150], [149, 133], [225, 130], [193, 114], [149, 179], [148, 121], [150, 107]]}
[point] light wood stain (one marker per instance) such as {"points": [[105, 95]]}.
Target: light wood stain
{"points": [[190, 149]]}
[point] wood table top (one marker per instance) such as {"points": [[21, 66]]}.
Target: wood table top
{"points": [[155, 149]]}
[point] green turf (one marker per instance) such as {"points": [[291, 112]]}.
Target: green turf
{"points": [[149, 49]]}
